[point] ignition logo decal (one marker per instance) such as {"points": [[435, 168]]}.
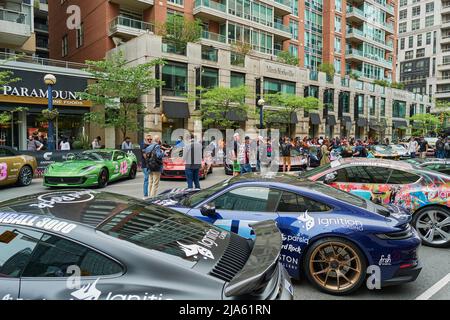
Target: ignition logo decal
{"points": [[49, 200], [194, 250], [3, 171], [88, 292], [307, 220]]}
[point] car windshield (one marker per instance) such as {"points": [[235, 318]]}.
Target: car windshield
{"points": [[339, 195], [93, 156], [202, 195]]}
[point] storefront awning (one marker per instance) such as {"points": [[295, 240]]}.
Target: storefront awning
{"points": [[362, 122], [235, 115], [374, 125], [314, 118], [331, 120], [346, 119], [274, 117], [176, 110], [396, 124]]}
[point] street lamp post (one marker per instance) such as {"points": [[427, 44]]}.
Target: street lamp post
{"points": [[50, 81], [261, 104]]}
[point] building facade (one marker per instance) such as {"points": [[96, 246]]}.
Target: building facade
{"points": [[357, 37]]}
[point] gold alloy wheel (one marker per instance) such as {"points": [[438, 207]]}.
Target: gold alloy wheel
{"points": [[335, 266]]}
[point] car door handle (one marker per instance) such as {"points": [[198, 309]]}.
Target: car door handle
{"points": [[379, 193]]}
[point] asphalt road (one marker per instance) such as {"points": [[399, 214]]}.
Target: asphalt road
{"points": [[432, 283]]}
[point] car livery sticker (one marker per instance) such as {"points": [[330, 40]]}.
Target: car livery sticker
{"points": [[123, 167], [44, 223], [3, 171], [49, 200]]}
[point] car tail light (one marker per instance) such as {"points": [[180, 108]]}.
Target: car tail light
{"points": [[399, 235]]}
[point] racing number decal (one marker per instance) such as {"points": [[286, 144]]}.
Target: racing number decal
{"points": [[3, 171], [123, 167]]}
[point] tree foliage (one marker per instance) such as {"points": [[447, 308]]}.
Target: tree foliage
{"points": [[217, 104], [287, 58], [328, 68], [181, 30], [118, 87], [7, 77], [425, 122]]}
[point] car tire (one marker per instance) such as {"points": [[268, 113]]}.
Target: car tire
{"points": [[133, 171], [323, 273], [25, 176], [103, 178], [428, 223]]}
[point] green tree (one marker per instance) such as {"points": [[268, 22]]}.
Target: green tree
{"points": [[287, 58], [220, 102], [382, 83], [424, 122], [328, 68], [7, 77], [397, 85], [179, 30], [118, 87], [443, 109], [288, 104]]}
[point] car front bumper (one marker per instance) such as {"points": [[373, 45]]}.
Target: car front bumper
{"points": [[80, 181]]}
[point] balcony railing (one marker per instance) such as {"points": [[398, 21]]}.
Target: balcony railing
{"points": [[211, 4], [280, 26], [173, 47], [359, 53], [41, 61], [286, 3], [213, 36], [314, 75], [355, 10], [121, 21], [14, 16]]}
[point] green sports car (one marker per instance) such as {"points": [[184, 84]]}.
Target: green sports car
{"points": [[91, 168]]}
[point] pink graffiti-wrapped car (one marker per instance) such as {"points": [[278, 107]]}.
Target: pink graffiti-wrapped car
{"points": [[424, 193]]}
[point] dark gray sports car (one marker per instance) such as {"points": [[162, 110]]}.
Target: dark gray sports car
{"points": [[91, 245]]}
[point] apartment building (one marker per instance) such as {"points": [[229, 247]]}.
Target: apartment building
{"points": [[443, 60], [357, 37]]}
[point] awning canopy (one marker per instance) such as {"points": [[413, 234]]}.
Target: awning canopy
{"points": [[396, 124], [276, 117], [314, 118], [346, 119], [331, 120], [362, 122], [374, 125], [176, 110]]}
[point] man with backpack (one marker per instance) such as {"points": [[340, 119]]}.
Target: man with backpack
{"points": [[192, 156], [447, 148], [440, 148], [153, 161]]}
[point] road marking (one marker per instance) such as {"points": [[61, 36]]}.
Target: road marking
{"points": [[435, 288]]}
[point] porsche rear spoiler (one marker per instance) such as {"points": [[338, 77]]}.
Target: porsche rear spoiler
{"points": [[262, 263]]}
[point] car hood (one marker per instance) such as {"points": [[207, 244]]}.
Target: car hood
{"points": [[173, 197], [71, 166]]}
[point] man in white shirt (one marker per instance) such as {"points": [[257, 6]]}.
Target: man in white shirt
{"points": [[412, 147]]}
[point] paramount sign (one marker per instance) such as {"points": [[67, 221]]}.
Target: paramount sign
{"points": [[39, 93]]}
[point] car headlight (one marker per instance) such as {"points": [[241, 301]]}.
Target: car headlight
{"points": [[399, 235], [88, 169]]}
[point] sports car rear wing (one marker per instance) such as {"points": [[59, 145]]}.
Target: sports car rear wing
{"points": [[262, 263]]}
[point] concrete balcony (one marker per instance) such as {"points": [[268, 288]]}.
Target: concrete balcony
{"points": [[127, 28], [445, 9], [210, 10], [355, 15], [390, 10], [358, 36], [15, 27], [134, 4], [445, 24], [445, 39], [280, 7], [359, 56], [443, 80]]}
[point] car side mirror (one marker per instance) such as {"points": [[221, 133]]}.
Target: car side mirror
{"points": [[330, 178], [208, 210]]}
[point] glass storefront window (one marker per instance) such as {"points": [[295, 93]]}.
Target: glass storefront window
{"points": [[382, 107], [210, 78], [359, 107], [209, 53], [237, 80], [372, 105], [272, 86], [174, 76], [399, 109]]}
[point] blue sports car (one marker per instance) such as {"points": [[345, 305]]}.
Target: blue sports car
{"points": [[330, 236]]}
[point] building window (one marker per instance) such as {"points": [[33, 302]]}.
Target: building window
{"points": [[80, 36], [429, 7], [416, 11], [429, 21], [337, 24], [65, 46], [293, 50], [210, 78], [399, 109], [337, 5], [428, 41], [337, 45], [410, 42], [415, 24], [178, 2], [382, 107], [337, 65], [237, 79], [294, 5], [403, 3], [402, 27], [403, 14], [209, 53], [419, 40], [402, 43], [420, 53], [293, 25], [174, 76], [273, 86], [409, 54]]}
